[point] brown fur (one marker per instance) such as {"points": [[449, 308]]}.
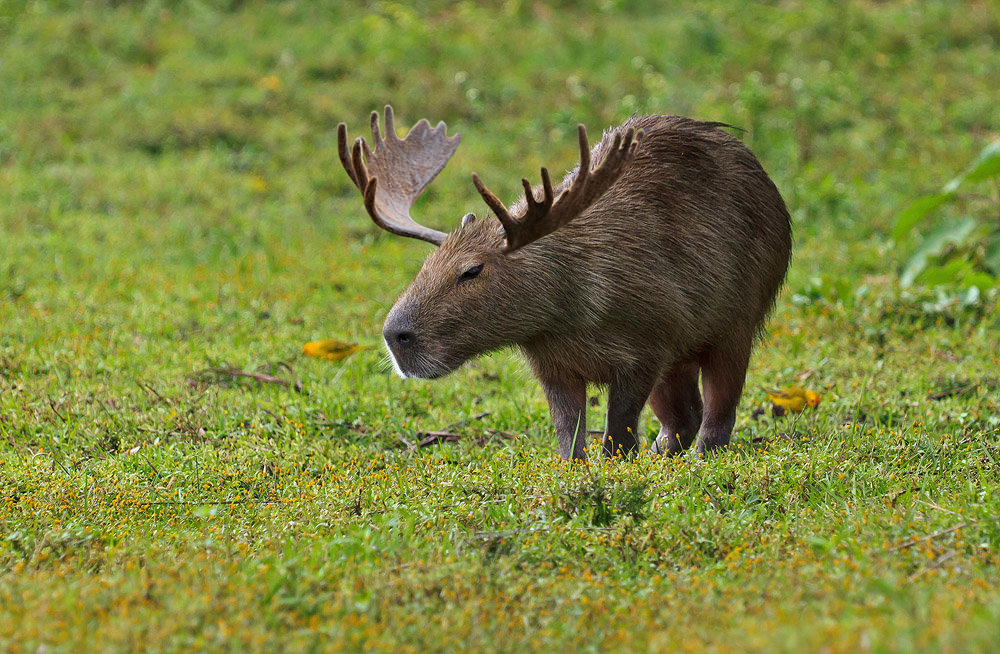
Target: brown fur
{"points": [[671, 272]]}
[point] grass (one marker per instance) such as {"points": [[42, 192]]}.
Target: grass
{"points": [[174, 203]]}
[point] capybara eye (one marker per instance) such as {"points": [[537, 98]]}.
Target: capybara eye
{"points": [[471, 273]]}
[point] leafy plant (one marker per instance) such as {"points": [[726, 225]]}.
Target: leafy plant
{"points": [[965, 251]]}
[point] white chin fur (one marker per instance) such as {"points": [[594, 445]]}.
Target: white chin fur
{"points": [[395, 364]]}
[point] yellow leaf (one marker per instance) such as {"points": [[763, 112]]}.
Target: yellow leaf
{"points": [[269, 82], [330, 349], [258, 184], [794, 399]]}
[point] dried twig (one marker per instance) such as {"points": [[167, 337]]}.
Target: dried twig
{"points": [[924, 539], [465, 421], [428, 438], [149, 389], [261, 377], [431, 437], [268, 368], [55, 410], [963, 388], [55, 463], [935, 506], [938, 562], [157, 472], [215, 503], [279, 420]]}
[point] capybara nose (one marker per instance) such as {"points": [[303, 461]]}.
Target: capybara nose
{"points": [[401, 338], [398, 332]]}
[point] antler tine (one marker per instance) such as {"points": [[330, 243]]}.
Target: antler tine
{"points": [[369, 197], [493, 202], [581, 132], [345, 154], [376, 132], [547, 194], [390, 127], [542, 217], [360, 169], [394, 172]]}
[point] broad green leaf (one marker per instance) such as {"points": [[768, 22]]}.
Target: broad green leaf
{"points": [[986, 165], [934, 244], [914, 213], [981, 280], [992, 258], [948, 273]]}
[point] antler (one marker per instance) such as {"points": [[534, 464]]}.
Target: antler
{"points": [[542, 217], [397, 171]]}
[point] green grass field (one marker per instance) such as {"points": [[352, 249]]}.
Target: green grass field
{"points": [[173, 203]]}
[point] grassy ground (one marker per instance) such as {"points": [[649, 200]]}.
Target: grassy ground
{"points": [[173, 202]]}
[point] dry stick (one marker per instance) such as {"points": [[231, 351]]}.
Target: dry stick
{"points": [[938, 562], [937, 534], [965, 388], [444, 435], [935, 506], [296, 384], [157, 472], [59, 463], [431, 437], [55, 410], [214, 503], [149, 389], [279, 364], [464, 421], [277, 419]]}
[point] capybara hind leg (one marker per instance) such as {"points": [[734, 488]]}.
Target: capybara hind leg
{"points": [[723, 374], [676, 402]]}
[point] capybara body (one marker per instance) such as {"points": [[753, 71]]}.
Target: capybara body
{"points": [[667, 276]]}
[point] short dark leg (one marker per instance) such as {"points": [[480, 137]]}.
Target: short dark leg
{"points": [[676, 402], [626, 396], [568, 408], [723, 373]]}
